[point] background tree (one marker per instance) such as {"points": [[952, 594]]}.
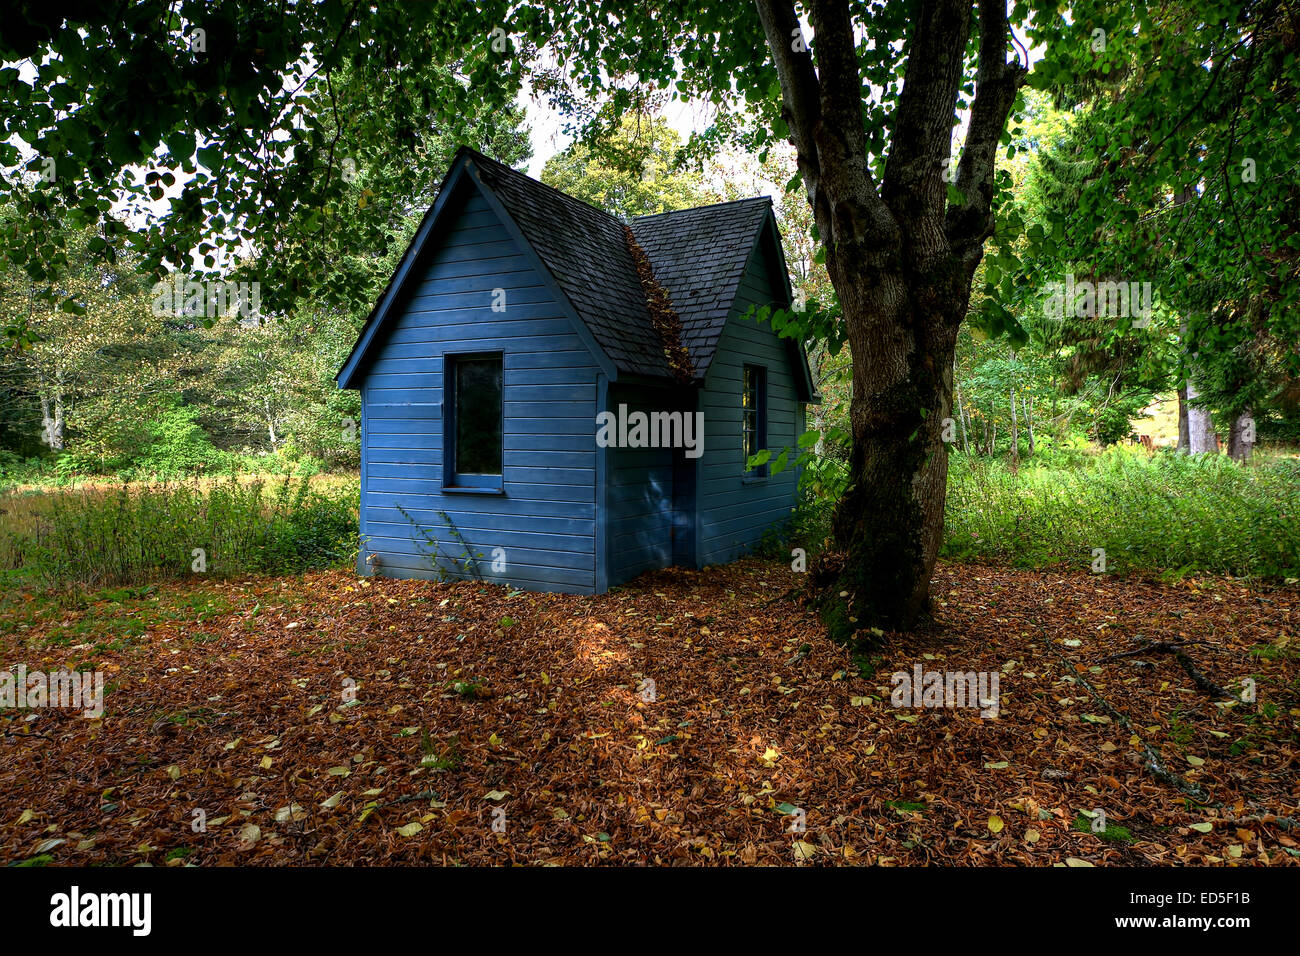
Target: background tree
{"points": [[1180, 175], [639, 170]]}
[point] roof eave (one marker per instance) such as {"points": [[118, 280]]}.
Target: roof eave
{"points": [[809, 387]]}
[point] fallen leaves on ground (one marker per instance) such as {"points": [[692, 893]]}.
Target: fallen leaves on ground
{"points": [[691, 717]]}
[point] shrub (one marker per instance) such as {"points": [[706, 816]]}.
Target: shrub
{"points": [[821, 484], [95, 538], [1166, 512], [178, 445]]}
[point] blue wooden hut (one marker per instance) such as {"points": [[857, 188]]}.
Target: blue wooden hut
{"points": [[557, 400]]}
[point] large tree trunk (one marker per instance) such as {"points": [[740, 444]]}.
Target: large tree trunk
{"points": [[889, 524], [901, 260]]}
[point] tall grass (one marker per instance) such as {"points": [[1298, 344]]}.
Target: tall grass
{"points": [[93, 537], [1165, 513]]}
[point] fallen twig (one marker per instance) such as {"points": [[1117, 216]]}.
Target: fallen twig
{"points": [[1153, 762]]}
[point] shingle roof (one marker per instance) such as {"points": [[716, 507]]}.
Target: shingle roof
{"points": [[699, 256]]}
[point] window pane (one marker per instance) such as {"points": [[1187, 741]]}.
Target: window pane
{"points": [[752, 417], [478, 416]]}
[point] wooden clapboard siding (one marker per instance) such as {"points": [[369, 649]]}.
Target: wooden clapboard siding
{"points": [[734, 511], [546, 520]]}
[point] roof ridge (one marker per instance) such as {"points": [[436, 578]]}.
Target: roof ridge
{"points": [[474, 153], [712, 205]]}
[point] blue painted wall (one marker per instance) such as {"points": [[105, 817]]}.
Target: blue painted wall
{"points": [[735, 510], [546, 520]]}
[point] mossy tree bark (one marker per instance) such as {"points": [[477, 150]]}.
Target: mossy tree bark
{"points": [[901, 257]]}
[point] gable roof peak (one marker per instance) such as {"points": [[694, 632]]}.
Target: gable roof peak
{"points": [[482, 159]]}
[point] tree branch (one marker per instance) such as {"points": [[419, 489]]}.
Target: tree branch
{"points": [[914, 186], [859, 211], [996, 84], [800, 105], [823, 108]]}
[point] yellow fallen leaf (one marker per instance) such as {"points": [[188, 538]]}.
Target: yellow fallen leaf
{"points": [[410, 830], [804, 851], [995, 824]]}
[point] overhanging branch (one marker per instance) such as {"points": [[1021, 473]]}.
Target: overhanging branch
{"points": [[996, 84]]}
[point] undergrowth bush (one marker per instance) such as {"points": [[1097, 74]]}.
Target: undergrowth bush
{"points": [[1169, 513], [92, 537], [821, 483]]}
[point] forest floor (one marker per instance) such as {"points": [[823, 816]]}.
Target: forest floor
{"points": [[691, 717]]}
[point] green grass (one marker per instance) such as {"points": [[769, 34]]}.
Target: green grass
{"points": [[906, 806], [113, 540], [1167, 514], [110, 619]]}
